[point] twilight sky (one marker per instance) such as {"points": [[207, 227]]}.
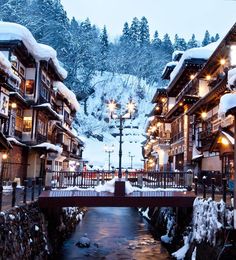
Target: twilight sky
{"points": [[167, 16]]}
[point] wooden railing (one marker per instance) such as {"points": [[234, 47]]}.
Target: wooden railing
{"points": [[151, 179]]}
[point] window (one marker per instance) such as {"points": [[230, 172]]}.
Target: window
{"points": [[45, 93], [66, 116], [29, 87], [42, 127], [27, 124], [22, 71], [22, 86], [14, 64]]}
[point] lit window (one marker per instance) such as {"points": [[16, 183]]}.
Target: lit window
{"points": [[29, 87], [27, 124], [233, 55]]}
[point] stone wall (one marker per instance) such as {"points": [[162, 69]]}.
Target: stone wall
{"points": [[28, 233]]}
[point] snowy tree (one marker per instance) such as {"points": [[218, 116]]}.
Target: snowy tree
{"points": [[217, 37], [134, 31], [125, 37], [144, 35], [167, 44], [156, 42], [179, 43], [104, 49], [192, 43], [206, 39]]}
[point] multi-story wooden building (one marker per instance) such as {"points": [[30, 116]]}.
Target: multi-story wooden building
{"points": [[200, 139], [38, 123]]}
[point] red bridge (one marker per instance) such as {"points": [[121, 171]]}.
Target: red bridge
{"points": [[90, 198]]}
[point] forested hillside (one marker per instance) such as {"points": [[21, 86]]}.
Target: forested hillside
{"points": [[85, 49]]}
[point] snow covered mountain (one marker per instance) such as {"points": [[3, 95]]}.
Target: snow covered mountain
{"points": [[100, 130]]}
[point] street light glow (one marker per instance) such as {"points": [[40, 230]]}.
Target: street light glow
{"points": [[112, 106], [130, 107]]}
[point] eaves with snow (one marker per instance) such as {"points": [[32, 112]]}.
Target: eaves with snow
{"points": [[13, 31], [201, 53], [5, 65]]}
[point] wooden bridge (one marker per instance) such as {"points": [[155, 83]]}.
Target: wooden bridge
{"points": [[90, 198]]}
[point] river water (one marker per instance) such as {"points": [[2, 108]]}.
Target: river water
{"points": [[115, 233]]}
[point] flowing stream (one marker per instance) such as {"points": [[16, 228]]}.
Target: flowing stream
{"points": [[114, 233]]}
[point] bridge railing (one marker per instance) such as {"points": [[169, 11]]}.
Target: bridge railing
{"points": [[151, 179]]}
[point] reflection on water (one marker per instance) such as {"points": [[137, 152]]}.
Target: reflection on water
{"points": [[115, 233]]}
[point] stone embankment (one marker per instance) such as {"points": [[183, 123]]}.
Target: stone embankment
{"points": [[27, 233]]}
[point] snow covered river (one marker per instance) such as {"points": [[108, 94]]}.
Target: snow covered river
{"points": [[114, 233]]}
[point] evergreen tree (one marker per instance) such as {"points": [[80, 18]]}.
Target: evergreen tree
{"points": [[134, 31], [104, 49], [144, 35], [206, 39], [179, 43], [167, 44], [217, 37], [125, 37], [156, 42], [192, 43]]}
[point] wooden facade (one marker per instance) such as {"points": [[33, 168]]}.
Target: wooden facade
{"points": [[41, 116], [197, 133]]}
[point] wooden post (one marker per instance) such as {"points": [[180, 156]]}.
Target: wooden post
{"points": [[13, 201], [1, 192], [213, 188], [126, 175], [25, 191]]}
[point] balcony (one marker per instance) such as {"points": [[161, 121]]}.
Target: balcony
{"points": [[205, 137], [41, 138], [177, 137]]}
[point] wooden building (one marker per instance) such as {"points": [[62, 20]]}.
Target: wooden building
{"points": [[38, 122], [199, 138]]}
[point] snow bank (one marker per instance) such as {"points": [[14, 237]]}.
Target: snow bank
{"points": [[49, 146], [13, 31], [110, 187], [194, 53], [180, 254], [5, 65], [227, 101]]}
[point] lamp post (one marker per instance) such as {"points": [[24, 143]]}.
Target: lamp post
{"points": [[131, 160], [109, 150], [130, 108]]}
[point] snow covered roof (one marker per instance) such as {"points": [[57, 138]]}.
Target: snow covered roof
{"points": [[68, 94], [13, 140], [227, 102], [194, 53], [232, 77], [168, 69], [49, 146], [176, 55], [5, 65], [49, 107], [229, 137], [13, 31]]}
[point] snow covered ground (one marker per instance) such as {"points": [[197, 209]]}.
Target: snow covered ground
{"points": [[96, 122]]}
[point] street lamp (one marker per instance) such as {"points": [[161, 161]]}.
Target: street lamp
{"points": [[109, 150], [130, 108], [131, 160]]}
